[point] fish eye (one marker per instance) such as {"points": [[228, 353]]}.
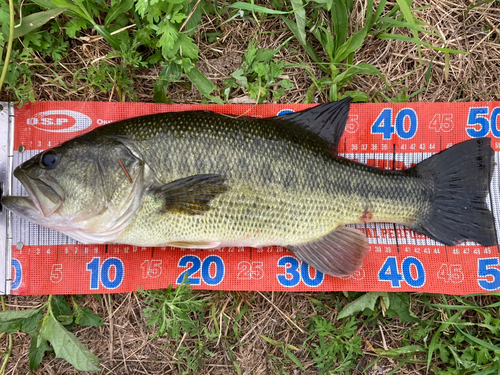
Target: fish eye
{"points": [[49, 160]]}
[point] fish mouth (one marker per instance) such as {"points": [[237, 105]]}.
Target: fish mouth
{"points": [[45, 196]]}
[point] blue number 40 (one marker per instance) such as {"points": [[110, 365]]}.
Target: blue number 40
{"points": [[389, 272], [384, 125]]}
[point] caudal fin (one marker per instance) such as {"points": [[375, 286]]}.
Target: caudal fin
{"points": [[461, 176]]}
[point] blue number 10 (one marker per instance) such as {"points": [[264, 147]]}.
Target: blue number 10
{"points": [[101, 273]]}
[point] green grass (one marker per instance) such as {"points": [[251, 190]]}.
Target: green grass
{"points": [[160, 34], [442, 334]]}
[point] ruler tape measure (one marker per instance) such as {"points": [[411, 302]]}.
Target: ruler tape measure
{"points": [[38, 260]]}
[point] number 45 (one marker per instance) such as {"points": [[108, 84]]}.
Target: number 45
{"points": [[442, 122], [452, 273]]}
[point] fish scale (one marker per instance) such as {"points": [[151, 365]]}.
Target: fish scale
{"points": [[282, 193]]}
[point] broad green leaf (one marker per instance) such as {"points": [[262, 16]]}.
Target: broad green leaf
{"points": [[352, 44], [37, 350], [310, 51], [4, 23], [117, 9], [409, 349], [265, 55], [111, 39], [405, 9], [86, 317], [326, 40], [357, 96], [366, 301], [240, 77], [143, 36], [12, 321], [250, 54], [76, 9], [159, 93], [30, 324], [428, 72], [340, 18], [74, 25], [417, 41], [172, 72], [195, 18], [361, 68], [286, 84], [411, 26], [327, 4], [187, 47], [379, 10], [261, 69], [300, 18], [60, 306], [294, 359], [36, 20], [365, 68], [202, 83], [169, 36], [142, 7], [255, 8], [400, 306], [67, 346], [434, 341], [480, 342], [33, 39]]}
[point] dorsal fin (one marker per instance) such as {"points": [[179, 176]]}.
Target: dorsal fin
{"points": [[326, 120]]}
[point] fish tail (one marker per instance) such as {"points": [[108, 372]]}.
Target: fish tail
{"points": [[461, 177]]}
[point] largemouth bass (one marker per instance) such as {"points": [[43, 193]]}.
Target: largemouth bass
{"points": [[198, 179]]}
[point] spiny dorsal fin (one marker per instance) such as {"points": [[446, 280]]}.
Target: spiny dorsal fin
{"points": [[190, 195], [339, 253], [326, 120]]}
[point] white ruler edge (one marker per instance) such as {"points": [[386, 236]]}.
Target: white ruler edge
{"points": [[6, 169]]}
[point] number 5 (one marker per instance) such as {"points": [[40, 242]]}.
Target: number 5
{"points": [[488, 276], [56, 275]]}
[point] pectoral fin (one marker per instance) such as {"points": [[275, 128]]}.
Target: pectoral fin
{"points": [[191, 195], [339, 253]]}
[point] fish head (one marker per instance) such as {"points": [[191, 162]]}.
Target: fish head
{"points": [[82, 188]]}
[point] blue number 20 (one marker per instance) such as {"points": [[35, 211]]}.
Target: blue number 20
{"points": [[195, 264]]}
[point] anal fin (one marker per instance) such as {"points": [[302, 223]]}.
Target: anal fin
{"points": [[339, 253], [194, 245]]}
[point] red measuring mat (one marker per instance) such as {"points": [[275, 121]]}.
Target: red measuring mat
{"points": [[392, 136]]}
